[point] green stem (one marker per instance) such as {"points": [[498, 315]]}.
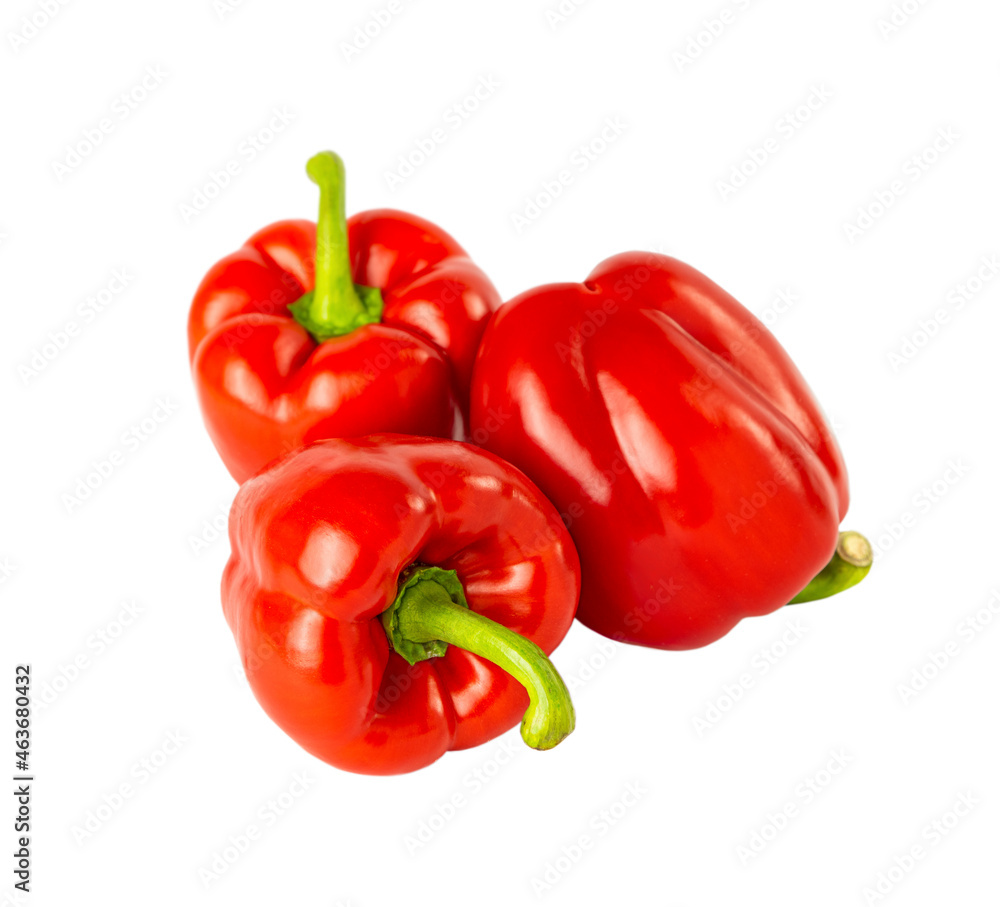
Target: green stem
{"points": [[336, 306], [430, 612], [849, 565]]}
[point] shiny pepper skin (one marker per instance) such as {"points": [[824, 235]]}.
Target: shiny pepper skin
{"points": [[687, 456], [266, 386], [319, 542]]}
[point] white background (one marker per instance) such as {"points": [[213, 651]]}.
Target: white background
{"points": [[657, 186]]}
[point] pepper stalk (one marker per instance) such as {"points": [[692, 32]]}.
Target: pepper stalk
{"points": [[336, 305], [851, 561], [430, 613]]}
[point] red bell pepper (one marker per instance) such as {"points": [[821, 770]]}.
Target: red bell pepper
{"points": [[393, 598], [689, 460], [339, 331]]}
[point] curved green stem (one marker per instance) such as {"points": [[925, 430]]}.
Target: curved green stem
{"points": [[430, 612], [849, 565], [336, 305]]}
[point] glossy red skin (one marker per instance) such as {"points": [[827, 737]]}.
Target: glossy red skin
{"points": [[265, 385], [318, 543], [648, 404]]}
